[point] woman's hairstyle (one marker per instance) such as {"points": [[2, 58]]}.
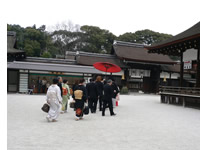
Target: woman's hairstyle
{"points": [[98, 78], [76, 82], [64, 81], [55, 81], [82, 80]]}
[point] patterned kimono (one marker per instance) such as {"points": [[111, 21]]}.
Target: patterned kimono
{"points": [[80, 96], [66, 96], [54, 99]]}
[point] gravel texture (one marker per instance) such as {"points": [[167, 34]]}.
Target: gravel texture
{"points": [[141, 123]]}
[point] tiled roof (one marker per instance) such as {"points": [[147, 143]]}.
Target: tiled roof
{"points": [[137, 52], [192, 32]]}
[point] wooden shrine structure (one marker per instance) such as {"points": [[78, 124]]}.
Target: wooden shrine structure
{"points": [[176, 46]]}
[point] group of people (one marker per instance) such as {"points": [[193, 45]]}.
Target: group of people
{"points": [[91, 93], [42, 85]]}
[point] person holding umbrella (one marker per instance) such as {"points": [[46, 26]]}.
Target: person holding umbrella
{"points": [[107, 98]]}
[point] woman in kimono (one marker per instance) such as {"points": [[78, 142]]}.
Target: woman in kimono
{"points": [[80, 97], [54, 99], [66, 96]]}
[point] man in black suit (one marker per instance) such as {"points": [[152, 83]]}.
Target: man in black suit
{"points": [[92, 95], [107, 98], [99, 85]]}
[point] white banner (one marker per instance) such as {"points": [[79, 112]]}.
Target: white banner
{"points": [[188, 64]]}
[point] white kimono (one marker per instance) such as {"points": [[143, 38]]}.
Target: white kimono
{"points": [[54, 99]]}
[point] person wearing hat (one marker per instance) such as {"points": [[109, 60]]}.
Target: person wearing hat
{"points": [[107, 98]]}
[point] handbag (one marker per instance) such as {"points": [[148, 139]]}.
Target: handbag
{"points": [[45, 107], [72, 104], [86, 109]]}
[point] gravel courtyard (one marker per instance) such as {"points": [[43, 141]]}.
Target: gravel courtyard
{"points": [[141, 123]]}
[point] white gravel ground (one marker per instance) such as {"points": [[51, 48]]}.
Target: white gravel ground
{"points": [[142, 123]]}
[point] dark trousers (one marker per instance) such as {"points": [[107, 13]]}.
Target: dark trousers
{"points": [[100, 102], [43, 88], [110, 106], [92, 104]]}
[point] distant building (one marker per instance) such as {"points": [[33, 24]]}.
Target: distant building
{"points": [[146, 71], [140, 70]]}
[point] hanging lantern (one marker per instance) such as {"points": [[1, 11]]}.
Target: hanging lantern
{"points": [[164, 79], [123, 77]]}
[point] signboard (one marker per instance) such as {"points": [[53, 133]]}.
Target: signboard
{"points": [[188, 64]]}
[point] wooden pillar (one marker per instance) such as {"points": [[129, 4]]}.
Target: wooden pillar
{"points": [[170, 79], [184, 102], [154, 80], [198, 68], [181, 70], [127, 77]]}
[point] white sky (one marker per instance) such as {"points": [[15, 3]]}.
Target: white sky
{"points": [[117, 16]]}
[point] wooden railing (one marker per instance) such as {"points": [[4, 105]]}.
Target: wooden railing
{"points": [[180, 90], [179, 95]]}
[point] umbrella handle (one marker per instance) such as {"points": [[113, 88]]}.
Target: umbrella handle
{"points": [[106, 72]]}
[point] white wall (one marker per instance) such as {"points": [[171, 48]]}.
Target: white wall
{"points": [[139, 73], [167, 75]]}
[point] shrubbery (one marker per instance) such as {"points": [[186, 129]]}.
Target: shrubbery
{"points": [[124, 90]]}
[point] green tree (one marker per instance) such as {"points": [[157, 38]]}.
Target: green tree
{"points": [[35, 47], [147, 37], [96, 39], [67, 40], [69, 37], [29, 50], [127, 37], [19, 34], [46, 55], [36, 40]]}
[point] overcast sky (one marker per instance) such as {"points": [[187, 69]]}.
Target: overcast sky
{"points": [[117, 16]]}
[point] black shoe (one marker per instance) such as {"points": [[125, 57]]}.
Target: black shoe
{"points": [[113, 114], [103, 114]]}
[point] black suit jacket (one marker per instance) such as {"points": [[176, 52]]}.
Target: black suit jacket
{"points": [[60, 86], [99, 87], [92, 90], [108, 92], [115, 88]]}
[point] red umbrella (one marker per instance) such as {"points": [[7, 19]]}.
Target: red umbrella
{"points": [[107, 67]]}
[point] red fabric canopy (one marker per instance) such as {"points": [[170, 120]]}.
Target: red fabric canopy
{"points": [[107, 67]]}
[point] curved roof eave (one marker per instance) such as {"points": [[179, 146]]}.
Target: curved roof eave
{"points": [[191, 33]]}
